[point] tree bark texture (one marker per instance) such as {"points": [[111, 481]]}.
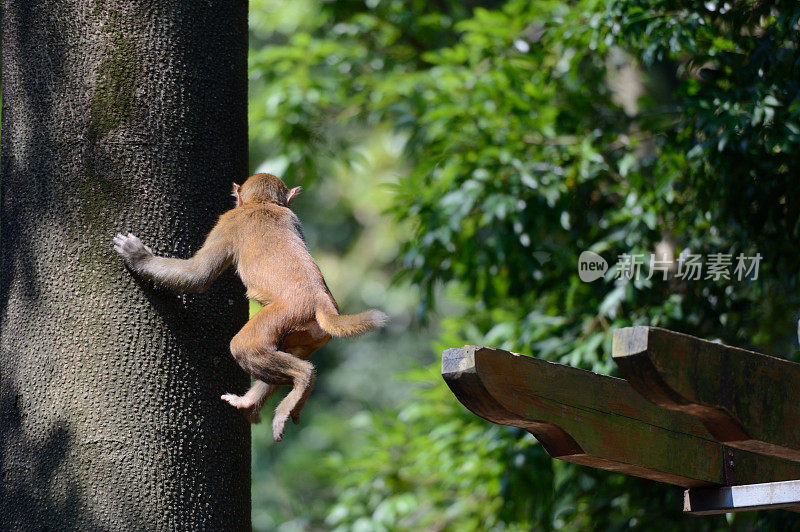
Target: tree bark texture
{"points": [[119, 116]]}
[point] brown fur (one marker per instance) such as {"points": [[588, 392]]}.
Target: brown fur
{"points": [[263, 239]]}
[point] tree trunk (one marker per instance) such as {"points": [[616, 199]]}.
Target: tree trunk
{"points": [[119, 116]]}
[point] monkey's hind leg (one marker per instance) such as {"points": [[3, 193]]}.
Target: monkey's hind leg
{"points": [[300, 343], [250, 403], [293, 402], [255, 348]]}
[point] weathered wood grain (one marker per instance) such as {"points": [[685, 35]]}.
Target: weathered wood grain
{"points": [[599, 421], [745, 399]]}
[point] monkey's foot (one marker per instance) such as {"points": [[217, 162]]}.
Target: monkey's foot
{"points": [[278, 423], [247, 407]]}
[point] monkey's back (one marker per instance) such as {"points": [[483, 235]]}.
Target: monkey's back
{"points": [[272, 258]]}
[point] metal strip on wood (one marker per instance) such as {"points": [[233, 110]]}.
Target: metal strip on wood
{"points": [[765, 496]]}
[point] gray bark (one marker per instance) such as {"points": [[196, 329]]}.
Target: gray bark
{"points": [[119, 116]]}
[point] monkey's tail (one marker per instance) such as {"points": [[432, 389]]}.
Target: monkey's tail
{"points": [[348, 324]]}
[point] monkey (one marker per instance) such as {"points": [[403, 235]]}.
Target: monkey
{"points": [[262, 237]]}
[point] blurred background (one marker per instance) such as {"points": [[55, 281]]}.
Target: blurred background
{"points": [[456, 159]]}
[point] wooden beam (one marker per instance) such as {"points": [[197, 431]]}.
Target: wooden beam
{"points": [[745, 399], [721, 500], [599, 421]]}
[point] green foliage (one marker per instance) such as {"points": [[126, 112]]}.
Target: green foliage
{"points": [[535, 131], [408, 482]]}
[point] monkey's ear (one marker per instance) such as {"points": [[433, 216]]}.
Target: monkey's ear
{"points": [[237, 194], [292, 193]]}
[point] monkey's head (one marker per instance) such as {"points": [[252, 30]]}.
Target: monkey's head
{"points": [[264, 188]]}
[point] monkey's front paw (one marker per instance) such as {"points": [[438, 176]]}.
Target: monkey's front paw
{"points": [[247, 408], [131, 249], [278, 423]]}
